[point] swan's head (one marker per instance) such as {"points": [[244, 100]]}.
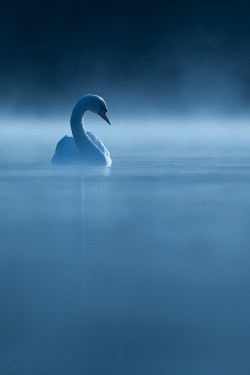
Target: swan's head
{"points": [[97, 105]]}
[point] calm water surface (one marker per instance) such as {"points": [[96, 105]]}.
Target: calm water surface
{"points": [[142, 268]]}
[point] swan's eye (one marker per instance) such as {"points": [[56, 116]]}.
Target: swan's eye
{"points": [[103, 111]]}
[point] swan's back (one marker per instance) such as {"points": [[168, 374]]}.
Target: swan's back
{"points": [[67, 152]]}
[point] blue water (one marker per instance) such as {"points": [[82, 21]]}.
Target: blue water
{"points": [[141, 268]]}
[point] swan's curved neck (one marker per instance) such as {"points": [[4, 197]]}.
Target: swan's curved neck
{"points": [[77, 126]]}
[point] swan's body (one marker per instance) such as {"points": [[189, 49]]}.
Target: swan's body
{"points": [[84, 147]]}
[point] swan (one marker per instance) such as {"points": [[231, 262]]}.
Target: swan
{"points": [[84, 147]]}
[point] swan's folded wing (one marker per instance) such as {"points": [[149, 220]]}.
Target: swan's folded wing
{"points": [[98, 143]]}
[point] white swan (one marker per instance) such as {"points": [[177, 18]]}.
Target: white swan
{"points": [[84, 147]]}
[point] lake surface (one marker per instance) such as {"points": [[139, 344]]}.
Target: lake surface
{"points": [[141, 268]]}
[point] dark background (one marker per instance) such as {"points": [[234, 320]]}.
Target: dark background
{"points": [[177, 57]]}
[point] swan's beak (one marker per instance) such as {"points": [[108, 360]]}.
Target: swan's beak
{"points": [[105, 117]]}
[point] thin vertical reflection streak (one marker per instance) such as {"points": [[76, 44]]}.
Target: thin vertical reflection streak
{"points": [[82, 209], [103, 217], [94, 201], [83, 268]]}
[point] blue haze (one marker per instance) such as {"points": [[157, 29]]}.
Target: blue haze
{"points": [[141, 268]]}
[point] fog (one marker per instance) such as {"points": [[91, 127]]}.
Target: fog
{"points": [[35, 137]]}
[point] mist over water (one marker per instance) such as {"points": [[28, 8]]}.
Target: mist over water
{"points": [[141, 268]]}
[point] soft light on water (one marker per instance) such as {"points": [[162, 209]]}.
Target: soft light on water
{"points": [[141, 268]]}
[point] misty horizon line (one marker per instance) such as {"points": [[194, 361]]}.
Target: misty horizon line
{"points": [[137, 109]]}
